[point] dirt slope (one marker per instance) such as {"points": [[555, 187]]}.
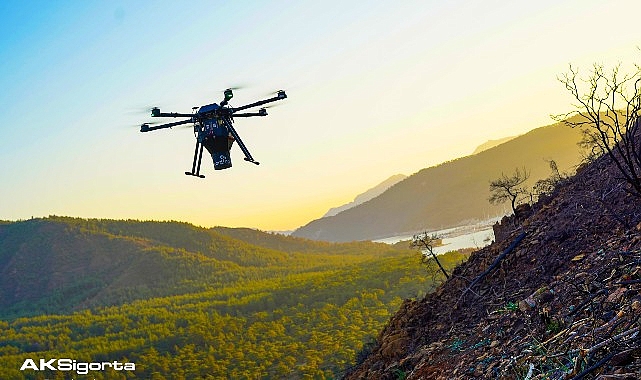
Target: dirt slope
{"points": [[563, 304]]}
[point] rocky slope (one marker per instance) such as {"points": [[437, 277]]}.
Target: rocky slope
{"points": [[557, 296]]}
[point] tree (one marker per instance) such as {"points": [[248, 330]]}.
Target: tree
{"points": [[546, 186], [608, 110], [426, 243], [509, 188]]}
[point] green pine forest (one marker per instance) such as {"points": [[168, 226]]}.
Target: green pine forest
{"points": [[184, 302]]}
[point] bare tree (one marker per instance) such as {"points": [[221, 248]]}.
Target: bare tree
{"points": [[426, 243], [547, 185], [509, 188], [608, 110]]}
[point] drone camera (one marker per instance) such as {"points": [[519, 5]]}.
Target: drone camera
{"points": [[155, 112]]}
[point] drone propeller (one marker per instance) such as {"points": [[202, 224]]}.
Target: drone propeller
{"points": [[272, 93], [140, 125], [231, 88], [141, 110], [279, 94]]}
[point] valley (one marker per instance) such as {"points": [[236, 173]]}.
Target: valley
{"points": [[279, 307]]}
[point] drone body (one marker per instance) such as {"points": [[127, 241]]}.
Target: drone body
{"points": [[214, 131]]}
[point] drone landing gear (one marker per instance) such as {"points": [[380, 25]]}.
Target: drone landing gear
{"points": [[198, 157], [248, 156], [198, 152], [195, 175]]}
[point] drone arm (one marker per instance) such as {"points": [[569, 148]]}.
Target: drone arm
{"points": [[250, 114], [281, 95], [172, 114], [147, 128]]}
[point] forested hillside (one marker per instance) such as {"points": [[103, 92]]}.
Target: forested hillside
{"points": [[187, 302], [452, 193], [63, 264]]}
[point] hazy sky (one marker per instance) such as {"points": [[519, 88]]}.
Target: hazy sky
{"points": [[375, 88]]}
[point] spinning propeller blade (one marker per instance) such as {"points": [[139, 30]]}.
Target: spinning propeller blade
{"points": [[141, 110], [272, 93]]}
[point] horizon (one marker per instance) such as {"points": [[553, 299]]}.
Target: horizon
{"points": [[373, 91]]}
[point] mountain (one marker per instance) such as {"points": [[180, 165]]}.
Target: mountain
{"points": [[557, 296], [452, 193], [367, 195], [491, 144]]}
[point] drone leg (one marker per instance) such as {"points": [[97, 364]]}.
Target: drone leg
{"points": [[193, 166], [198, 156], [200, 159], [248, 156]]}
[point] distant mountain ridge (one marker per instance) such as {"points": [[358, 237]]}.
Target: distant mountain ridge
{"points": [[489, 144], [367, 195], [452, 193]]}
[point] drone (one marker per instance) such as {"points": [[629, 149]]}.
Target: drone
{"points": [[214, 130]]}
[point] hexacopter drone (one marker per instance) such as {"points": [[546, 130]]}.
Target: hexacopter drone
{"points": [[213, 129]]}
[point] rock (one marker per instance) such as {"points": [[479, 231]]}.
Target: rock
{"points": [[394, 345], [542, 295], [616, 296], [621, 358]]}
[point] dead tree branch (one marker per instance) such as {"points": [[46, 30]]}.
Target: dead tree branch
{"points": [[496, 262]]}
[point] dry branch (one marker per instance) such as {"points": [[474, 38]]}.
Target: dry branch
{"points": [[496, 262]]}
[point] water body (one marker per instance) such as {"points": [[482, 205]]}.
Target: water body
{"points": [[477, 236], [476, 239]]}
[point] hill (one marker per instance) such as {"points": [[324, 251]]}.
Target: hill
{"points": [[452, 193], [58, 265], [183, 302], [557, 296], [367, 195]]}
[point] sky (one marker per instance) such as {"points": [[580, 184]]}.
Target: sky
{"points": [[374, 89]]}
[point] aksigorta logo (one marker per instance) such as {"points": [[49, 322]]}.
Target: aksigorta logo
{"points": [[81, 368]]}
